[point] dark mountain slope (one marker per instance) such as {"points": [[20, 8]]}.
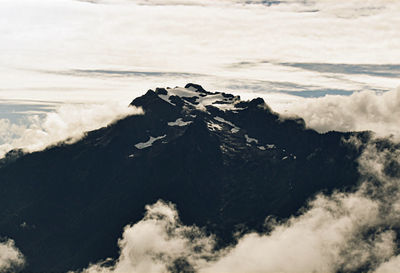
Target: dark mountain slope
{"points": [[226, 163]]}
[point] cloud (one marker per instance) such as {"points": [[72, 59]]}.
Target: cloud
{"points": [[160, 243], [68, 122], [340, 232], [190, 36], [360, 111], [388, 70], [390, 266], [343, 232], [321, 240], [11, 259]]}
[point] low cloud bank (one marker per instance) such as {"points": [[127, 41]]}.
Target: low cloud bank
{"points": [[67, 122], [360, 111], [341, 232], [11, 259], [160, 243]]}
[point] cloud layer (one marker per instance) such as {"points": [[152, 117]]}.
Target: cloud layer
{"points": [[365, 110], [67, 123], [218, 42]]}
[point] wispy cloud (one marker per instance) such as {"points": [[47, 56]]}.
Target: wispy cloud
{"points": [[121, 73], [381, 70]]}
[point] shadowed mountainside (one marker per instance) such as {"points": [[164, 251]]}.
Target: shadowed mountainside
{"points": [[226, 163]]}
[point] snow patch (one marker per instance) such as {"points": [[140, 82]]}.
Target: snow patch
{"points": [[234, 129], [214, 126], [179, 122], [192, 88], [148, 143], [267, 147], [166, 98], [223, 148], [183, 92], [202, 100], [250, 140]]}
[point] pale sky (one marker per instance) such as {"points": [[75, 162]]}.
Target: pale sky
{"points": [[57, 52]]}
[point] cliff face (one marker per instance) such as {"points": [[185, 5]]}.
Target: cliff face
{"points": [[227, 164]]}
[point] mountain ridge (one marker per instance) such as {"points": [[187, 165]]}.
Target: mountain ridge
{"points": [[227, 164]]}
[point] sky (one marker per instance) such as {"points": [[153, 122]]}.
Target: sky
{"points": [[297, 55], [68, 66]]}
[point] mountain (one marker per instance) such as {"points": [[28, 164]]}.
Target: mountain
{"points": [[226, 163]]}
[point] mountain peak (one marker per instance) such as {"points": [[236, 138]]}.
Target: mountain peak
{"points": [[193, 97], [195, 87], [224, 162]]}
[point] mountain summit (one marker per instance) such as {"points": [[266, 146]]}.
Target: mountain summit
{"points": [[227, 164]]}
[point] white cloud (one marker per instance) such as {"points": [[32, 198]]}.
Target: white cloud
{"points": [[67, 122], [11, 258], [344, 231], [365, 110], [390, 266], [158, 243]]}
